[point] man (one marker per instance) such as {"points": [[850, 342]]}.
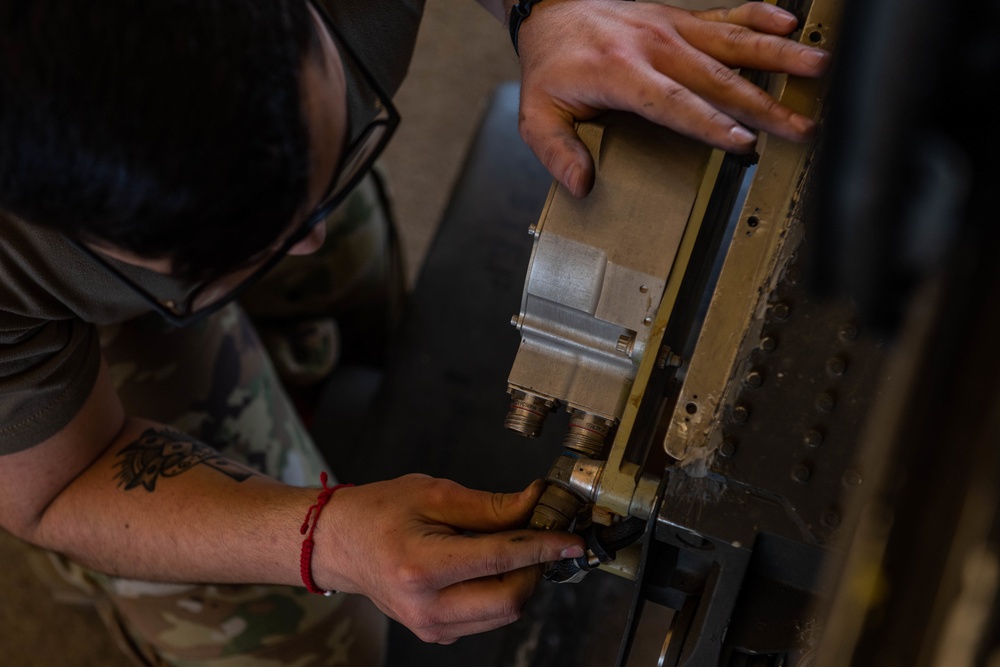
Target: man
{"points": [[161, 157]]}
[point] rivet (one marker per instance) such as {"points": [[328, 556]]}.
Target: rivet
{"points": [[836, 366], [768, 344], [727, 448], [647, 321], [516, 320], [801, 473], [831, 518], [848, 332], [781, 311], [825, 403], [741, 414], [643, 288], [851, 478], [813, 438], [754, 379]]}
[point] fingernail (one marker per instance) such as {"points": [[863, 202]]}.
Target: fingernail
{"points": [[573, 179], [814, 57], [782, 20], [741, 135], [802, 124], [571, 552]]}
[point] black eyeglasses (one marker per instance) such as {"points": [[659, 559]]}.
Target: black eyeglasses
{"points": [[373, 120]]}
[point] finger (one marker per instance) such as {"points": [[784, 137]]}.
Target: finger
{"points": [[480, 511], [737, 46], [477, 606], [759, 16], [461, 558], [667, 102], [729, 93], [551, 135]]}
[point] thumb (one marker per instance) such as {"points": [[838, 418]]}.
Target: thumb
{"points": [[484, 512], [550, 134]]}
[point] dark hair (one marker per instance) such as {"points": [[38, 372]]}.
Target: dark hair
{"points": [[169, 128]]}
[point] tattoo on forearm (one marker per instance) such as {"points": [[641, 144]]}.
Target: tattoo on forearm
{"points": [[166, 453]]}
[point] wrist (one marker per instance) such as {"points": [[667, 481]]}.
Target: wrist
{"points": [[331, 551], [516, 15], [308, 529]]}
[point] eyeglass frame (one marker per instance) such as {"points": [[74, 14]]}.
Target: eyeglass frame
{"points": [[386, 115]]}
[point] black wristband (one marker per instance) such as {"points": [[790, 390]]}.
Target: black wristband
{"points": [[518, 13]]}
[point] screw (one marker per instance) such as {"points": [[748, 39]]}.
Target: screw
{"points": [[813, 438], [781, 311], [624, 345], [533, 229], [801, 473], [727, 448], [831, 518], [836, 366], [741, 414], [848, 332], [825, 403], [516, 320], [754, 379], [768, 344]]}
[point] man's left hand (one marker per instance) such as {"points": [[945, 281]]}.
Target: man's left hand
{"points": [[672, 66]]}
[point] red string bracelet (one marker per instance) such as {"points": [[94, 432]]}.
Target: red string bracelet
{"points": [[312, 518]]}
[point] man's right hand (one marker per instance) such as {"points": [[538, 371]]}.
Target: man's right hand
{"points": [[443, 560]]}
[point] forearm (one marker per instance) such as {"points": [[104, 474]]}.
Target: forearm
{"points": [[162, 507], [134, 499]]}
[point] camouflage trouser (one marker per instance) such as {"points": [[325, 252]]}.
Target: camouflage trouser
{"points": [[215, 381]]}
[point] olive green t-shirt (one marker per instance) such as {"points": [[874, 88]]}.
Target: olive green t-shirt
{"points": [[53, 296]]}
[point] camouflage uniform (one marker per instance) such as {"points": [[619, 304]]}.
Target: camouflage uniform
{"points": [[215, 381]]}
